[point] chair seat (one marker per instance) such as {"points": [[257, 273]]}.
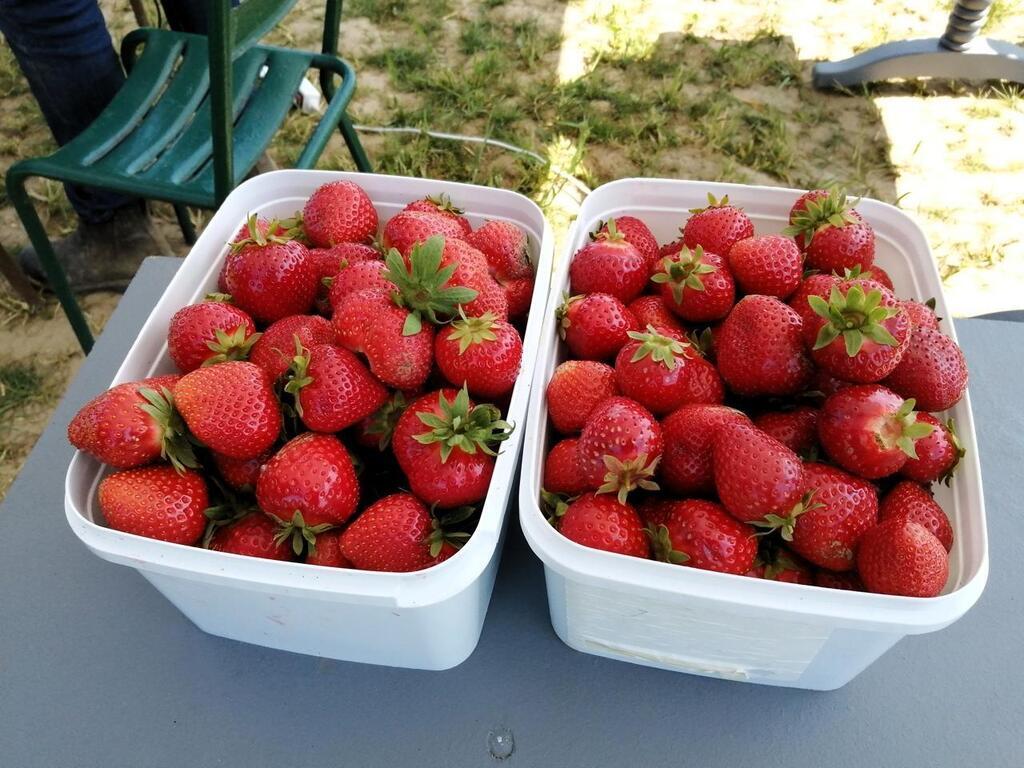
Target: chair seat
{"points": [[153, 139]]}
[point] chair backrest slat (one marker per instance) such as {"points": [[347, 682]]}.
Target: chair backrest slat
{"points": [[253, 19]]}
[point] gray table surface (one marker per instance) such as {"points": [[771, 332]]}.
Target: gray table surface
{"points": [[97, 669]]}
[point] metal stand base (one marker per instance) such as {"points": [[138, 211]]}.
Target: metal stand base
{"points": [[981, 59]]}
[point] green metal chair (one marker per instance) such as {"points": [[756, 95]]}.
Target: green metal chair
{"points": [[193, 117]]}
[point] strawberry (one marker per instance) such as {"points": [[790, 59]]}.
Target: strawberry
{"points": [[636, 233], [702, 383], [609, 264], [308, 486], [506, 248], [901, 557], [397, 534], [760, 349], [781, 565], [254, 535], [696, 285], [358, 277], [576, 388], [869, 430], [339, 212], [445, 445], [410, 228], [133, 424], [603, 522], [230, 408], [274, 350], [284, 228], [332, 388], [654, 510], [619, 448], [922, 315], [472, 272], [913, 501], [932, 371], [561, 469], [716, 227], [826, 528], [686, 465], [209, 332], [327, 551], [654, 370], [938, 454], [827, 384], [519, 296], [834, 580], [441, 205], [797, 429], [157, 502], [240, 474], [770, 265], [860, 334], [328, 262], [595, 326], [876, 273], [651, 311], [755, 474], [437, 276], [270, 277], [376, 430], [702, 535], [833, 235], [482, 353], [814, 285]]}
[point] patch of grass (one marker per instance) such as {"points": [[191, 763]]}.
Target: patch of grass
{"points": [[763, 59], [756, 136], [19, 384]]}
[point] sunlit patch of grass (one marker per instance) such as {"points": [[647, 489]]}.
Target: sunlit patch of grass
{"points": [[19, 384]]}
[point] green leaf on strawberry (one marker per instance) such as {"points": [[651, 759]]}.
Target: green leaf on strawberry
{"points": [[661, 349], [856, 316], [175, 443], [833, 210], [626, 476], [302, 536], [661, 545], [422, 285], [683, 271], [462, 427], [786, 524]]}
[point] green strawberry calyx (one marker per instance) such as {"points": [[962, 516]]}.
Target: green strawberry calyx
{"points": [[608, 232], [303, 537], [703, 341], [470, 429], [683, 271], [555, 505], [661, 545], [217, 296], [856, 316], [292, 228], [421, 285], [625, 476], [661, 349], [259, 237], [713, 203], [562, 313], [833, 210], [473, 330], [175, 445], [220, 515], [441, 532], [786, 524], [902, 429], [230, 346], [444, 204], [385, 419], [298, 375], [958, 448], [780, 565]]}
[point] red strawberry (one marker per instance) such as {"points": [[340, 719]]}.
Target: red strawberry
{"points": [[938, 454], [519, 295], [760, 349], [797, 429], [209, 332], [609, 264], [869, 430], [283, 228], [654, 370], [697, 285], [702, 384], [651, 310], [827, 384], [717, 227], [595, 326], [755, 474], [157, 502], [441, 205], [358, 277], [397, 534], [782, 565], [921, 315], [654, 510], [332, 388], [240, 474], [274, 350], [901, 557], [911, 500], [702, 535], [339, 212], [877, 274], [636, 234], [576, 388], [445, 445], [410, 228], [834, 580], [254, 535], [686, 466], [133, 424], [770, 265], [482, 353], [620, 447], [840, 509], [932, 371], [561, 470], [814, 285], [328, 262], [604, 522], [507, 249], [231, 408], [833, 235], [327, 551], [471, 272], [860, 334]]}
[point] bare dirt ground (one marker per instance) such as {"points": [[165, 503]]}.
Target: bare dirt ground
{"points": [[603, 89]]}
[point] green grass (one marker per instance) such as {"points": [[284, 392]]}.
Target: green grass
{"points": [[19, 384]]}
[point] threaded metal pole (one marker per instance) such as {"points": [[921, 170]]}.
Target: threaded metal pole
{"points": [[965, 22]]}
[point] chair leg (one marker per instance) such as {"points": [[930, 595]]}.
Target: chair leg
{"points": [[19, 283], [19, 198], [188, 229], [355, 147]]}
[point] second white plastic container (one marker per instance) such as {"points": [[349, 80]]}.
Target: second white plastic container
{"points": [[715, 624]]}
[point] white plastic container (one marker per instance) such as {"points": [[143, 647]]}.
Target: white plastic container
{"points": [[429, 619], [720, 625]]}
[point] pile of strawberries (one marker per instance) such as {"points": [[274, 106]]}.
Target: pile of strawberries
{"points": [[761, 405], [329, 372]]}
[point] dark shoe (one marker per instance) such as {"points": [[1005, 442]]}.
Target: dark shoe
{"points": [[102, 257]]}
